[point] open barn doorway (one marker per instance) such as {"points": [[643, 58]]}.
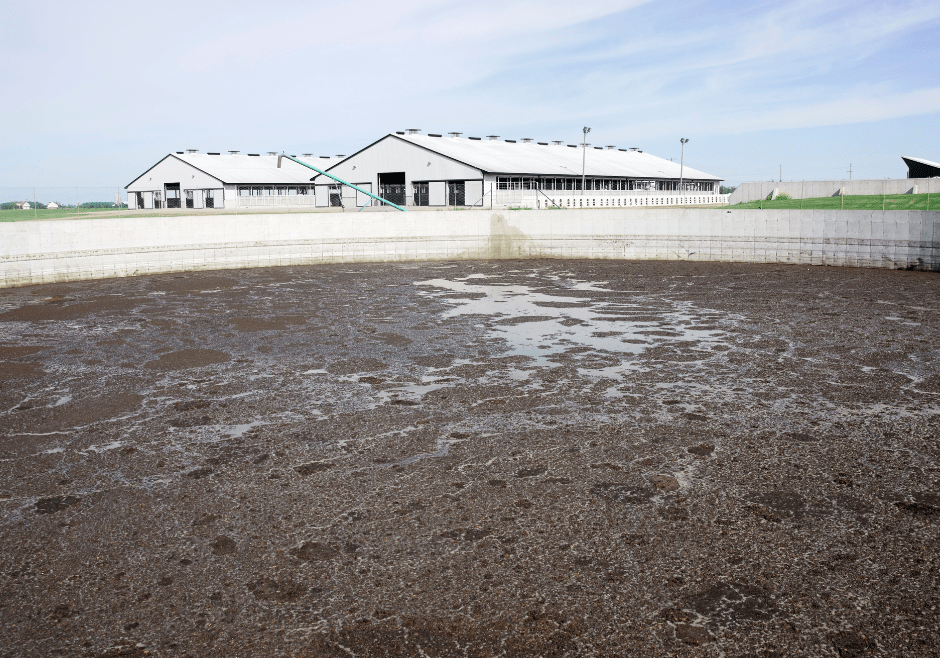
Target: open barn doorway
{"points": [[173, 195], [392, 187]]}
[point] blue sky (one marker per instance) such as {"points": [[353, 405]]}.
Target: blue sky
{"points": [[94, 93]]}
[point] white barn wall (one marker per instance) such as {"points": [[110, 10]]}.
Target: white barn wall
{"points": [[393, 155], [36, 252], [172, 170]]}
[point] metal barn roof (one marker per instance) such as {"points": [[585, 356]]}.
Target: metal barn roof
{"points": [[920, 168], [246, 169], [921, 161], [498, 157]]}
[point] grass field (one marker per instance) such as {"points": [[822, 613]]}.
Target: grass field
{"points": [[872, 202], [24, 215], [866, 202]]}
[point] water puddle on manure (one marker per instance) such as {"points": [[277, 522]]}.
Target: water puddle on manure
{"points": [[543, 326]]}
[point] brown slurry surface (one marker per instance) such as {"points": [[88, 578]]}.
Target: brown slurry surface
{"points": [[555, 458]]}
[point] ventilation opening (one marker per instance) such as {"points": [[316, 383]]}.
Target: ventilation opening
{"points": [[392, 187], [173, 195]]}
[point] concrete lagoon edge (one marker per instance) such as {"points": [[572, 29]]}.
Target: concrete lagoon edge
{"points": [[72, 250]]}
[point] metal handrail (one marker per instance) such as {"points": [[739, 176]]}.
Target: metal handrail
{"points": [[338, 180]]}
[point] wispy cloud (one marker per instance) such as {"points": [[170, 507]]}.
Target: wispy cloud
{"points": [[127, 78]]}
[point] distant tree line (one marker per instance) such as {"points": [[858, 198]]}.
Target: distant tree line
{"points": [[101, 204], [728, 190], [11, 205]]}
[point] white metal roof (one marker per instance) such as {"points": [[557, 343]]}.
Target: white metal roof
{"points": [[921, 161], [246, 169], [494, 156]]}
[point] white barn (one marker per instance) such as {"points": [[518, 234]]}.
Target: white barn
{"points": [[431, 170], [214, 180]]}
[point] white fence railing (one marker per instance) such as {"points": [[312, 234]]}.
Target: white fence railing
{"points": [[524, 199], [278, 201], [590, 200]]}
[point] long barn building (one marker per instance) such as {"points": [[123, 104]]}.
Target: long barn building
{"points": [[433, 170], [411, 169], [215, 180]]}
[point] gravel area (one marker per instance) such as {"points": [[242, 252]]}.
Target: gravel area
{"points": [[508, 458]]}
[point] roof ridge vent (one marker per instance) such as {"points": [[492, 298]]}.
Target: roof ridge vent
{"points": [[476, 139], [527, 140], [557, 142], [413, 131], [611, 148], [455, 134], [274, 153], [340, 156], [192, 150], [492, 138], [511, 141], [254, 155], [634, 148], [307, 155], [234, 152], [434, 135]]}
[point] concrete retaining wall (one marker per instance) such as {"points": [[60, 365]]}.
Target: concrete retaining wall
{"points": [[814, 189], [66, 250]]}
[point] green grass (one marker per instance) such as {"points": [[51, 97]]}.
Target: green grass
{"points": [[849, 202], [25, 215]]}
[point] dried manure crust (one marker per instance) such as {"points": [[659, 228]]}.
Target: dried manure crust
{"points": [[534, 458]]}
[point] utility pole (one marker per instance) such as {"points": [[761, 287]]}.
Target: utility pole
{"points": [[683, 141], [584, 146], [850, 171], [780, 180]]}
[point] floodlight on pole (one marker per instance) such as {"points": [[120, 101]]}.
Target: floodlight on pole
{"points": [[584, 146], [683, 141]]}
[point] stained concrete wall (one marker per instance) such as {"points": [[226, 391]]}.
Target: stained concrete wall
{"points": [[65, 250], [814, 189]]}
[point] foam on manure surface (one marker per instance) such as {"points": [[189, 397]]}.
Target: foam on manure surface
{"points": [[566, 458]]}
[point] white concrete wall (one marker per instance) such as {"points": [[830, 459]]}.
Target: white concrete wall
{"points": [[814, 189], [34, 252]]}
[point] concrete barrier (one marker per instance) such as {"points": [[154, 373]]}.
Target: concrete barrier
{"points": [[813, 189], [69, 250]]}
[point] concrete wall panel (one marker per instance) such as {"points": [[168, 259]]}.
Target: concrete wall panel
{"points": [[64, 250], [815, 189]]}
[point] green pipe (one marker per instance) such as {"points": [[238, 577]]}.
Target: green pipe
{"points": [[339, 180]]}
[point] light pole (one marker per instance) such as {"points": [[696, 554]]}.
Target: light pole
{"points": [[584, 146], [683, 141]]}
